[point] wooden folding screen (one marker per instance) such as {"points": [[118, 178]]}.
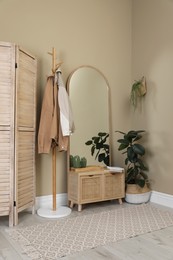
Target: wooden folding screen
{"points": [[18, 70]]}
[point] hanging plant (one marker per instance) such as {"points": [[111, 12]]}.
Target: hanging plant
{"points": [[138, 90]]}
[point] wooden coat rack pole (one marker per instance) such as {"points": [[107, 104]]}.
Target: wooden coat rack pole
{"points": [[54, 176], [53, 53]]}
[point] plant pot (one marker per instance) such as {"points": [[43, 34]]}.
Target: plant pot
{"points": [[136, 194], [143, 88]]}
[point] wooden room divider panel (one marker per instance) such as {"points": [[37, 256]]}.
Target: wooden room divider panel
{"points": [[18, 74]]}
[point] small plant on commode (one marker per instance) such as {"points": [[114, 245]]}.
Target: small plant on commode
{"points": [[136, 168], [99, 147]]}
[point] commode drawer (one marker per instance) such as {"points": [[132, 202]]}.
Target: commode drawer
{"points": [[114, 185], [90, 188]]}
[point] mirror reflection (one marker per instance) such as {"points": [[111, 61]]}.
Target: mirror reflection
{"points": [[89, 94]]}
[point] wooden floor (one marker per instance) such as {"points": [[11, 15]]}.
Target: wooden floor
{"points": [[157, 245]]}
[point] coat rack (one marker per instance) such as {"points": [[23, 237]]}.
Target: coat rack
{"points": [[61, 211], [54, 68]]}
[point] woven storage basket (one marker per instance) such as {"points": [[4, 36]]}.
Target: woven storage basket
{"points": [[136, 189], [136, 194]]}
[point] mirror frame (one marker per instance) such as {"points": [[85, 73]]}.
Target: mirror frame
{"points": [[109, 110]]}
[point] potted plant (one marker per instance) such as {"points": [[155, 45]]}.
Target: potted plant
{"points": [[99, 147], [138, 90], [137, 183]]}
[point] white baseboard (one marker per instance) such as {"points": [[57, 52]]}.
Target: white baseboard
{"points": [[61, 199], [162, 199], [47, 201]]}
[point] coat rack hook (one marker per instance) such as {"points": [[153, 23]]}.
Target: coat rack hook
{"points": [[55, 66]]}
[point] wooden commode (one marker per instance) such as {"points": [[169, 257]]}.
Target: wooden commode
{"points": [[95, 185]]}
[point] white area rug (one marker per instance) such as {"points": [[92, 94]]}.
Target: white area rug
{"points": [[61, 237]]}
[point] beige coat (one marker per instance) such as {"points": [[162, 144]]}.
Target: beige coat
{"points": [[50, 132]]}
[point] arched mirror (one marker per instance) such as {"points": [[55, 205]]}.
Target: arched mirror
{"points": [[89, 93]]}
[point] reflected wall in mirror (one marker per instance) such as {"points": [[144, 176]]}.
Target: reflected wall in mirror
{"points": [[89, 93]]}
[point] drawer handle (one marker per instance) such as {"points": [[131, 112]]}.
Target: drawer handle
{"points": [[90, 175]]}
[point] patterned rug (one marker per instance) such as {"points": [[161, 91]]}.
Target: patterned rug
{"points": [[69, 235]]}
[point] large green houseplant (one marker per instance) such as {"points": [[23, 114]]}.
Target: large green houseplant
{"points": [[136, 168], [137, 183]]}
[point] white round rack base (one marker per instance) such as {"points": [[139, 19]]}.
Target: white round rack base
{"points": [[58, 213]]}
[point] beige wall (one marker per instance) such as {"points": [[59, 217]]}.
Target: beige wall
{"points": [[93, 32], [98, 33], [152, 54]]}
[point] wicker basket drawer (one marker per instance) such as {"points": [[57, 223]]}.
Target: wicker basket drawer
{"points": [[114, 185], [90, 188]]}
